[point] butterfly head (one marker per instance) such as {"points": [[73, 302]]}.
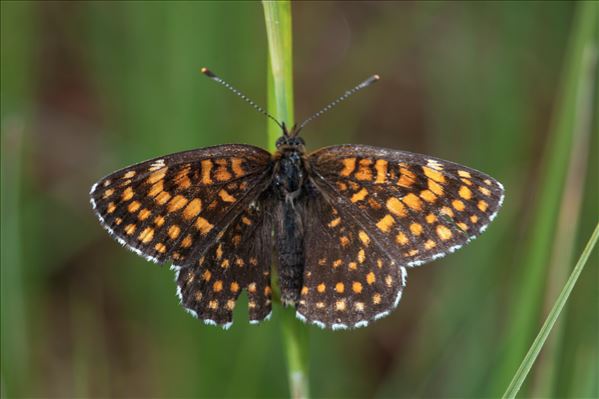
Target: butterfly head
{"points": [[290, 140]]}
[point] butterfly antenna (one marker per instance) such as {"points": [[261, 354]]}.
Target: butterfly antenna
{"points": [[258, 108], [363, 85]]}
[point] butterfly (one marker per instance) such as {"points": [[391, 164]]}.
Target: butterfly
{"points": [[341, 225]]}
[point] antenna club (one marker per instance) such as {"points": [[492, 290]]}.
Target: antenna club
{"points": [[207, 72], [376, 77]]}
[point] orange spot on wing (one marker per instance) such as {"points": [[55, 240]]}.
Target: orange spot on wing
{"points": [[203, 225], [463, 173], [174, 231], [157, 176], [146, 235], [177, 203], [186, 242], [484, 190], [458, 205], [416, 229], [385, 223], [381, 170], [433, 174], [206, 167], [482, 205], [130, 229], [447, 211], [429, 244], [428, 196], [144, 214], [396, 207], [443, 232], [364, 172], [401, 239], [412, 201], [370, 278], [349, 164], [334, 222], [160, 247], [162, 198], [356, 287], [221, 173], [465, 192], [364, 237], [236, 167], [127, 194], [156, 188], [193, 208], [359, 196], [435, 187], [225, 196], [339, 287], [407, 178], [134, 206], [376, 299]]}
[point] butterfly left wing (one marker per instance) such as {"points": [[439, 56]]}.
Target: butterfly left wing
{"points": [[417, 208], [174, 207], [372, 212], [348, 279]]}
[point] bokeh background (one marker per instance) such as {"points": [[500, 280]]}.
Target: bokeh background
{"points": [[90, 87]]}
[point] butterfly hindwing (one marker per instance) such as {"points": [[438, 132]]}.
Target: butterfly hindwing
{"points": [[240, 259], [416, 208], [349, 280], [174, 207]]}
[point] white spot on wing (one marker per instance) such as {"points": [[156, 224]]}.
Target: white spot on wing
{"points": [[339, 326], [362, 323], [226, 326]]}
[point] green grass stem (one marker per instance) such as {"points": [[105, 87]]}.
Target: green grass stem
{"points": [[277, 15], [537, 345], [528, 296]]}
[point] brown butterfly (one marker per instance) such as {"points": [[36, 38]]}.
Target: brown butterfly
{"points": [[345, 222]]}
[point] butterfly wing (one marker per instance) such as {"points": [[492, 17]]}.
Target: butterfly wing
{"points": [[417, 207], [170, 208], [240, 259], [400, 208], [349, 280], [191, 208]]}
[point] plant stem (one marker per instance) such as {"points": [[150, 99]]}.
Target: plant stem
{"points": [[534, 350], [277, 15]]}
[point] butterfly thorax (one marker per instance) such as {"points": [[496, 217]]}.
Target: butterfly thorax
{"points": [[289, 179]]}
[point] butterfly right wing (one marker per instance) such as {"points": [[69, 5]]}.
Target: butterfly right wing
{"points": [[240, 259], [174, 207]]}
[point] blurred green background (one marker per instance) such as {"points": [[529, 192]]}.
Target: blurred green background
{"points": [[90, 87]]}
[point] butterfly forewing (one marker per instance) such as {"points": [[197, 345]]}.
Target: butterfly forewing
{"points": [[170, 207], [416, 208]]}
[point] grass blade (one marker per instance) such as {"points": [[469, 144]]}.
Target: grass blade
{"points": [[537, 345], [277, 15]]}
